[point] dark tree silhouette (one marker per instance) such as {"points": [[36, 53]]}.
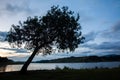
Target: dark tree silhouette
{"points": [[58, 29]]}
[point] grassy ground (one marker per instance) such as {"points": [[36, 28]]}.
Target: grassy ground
{"points": [[66, 74]]}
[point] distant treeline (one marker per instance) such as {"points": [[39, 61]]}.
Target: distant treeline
{"points": [[83, 59], [5, 60], [108, 58]]}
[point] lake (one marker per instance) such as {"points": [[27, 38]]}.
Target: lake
{"points": [[49, 66]]}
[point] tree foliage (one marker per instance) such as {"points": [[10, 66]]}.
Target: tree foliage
{"points": [[59, 28]]}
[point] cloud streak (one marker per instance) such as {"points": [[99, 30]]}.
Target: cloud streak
{"points": [[15, 7], [90, 36], [104, 46], [110, 40], [113, 33]]}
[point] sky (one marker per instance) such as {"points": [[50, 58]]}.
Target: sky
{"points": [[100, 21]]}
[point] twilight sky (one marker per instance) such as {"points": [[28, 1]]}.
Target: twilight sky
{"points": [[100, 21]]}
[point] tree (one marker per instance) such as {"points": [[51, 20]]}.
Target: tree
{"points": [[59, 29]]}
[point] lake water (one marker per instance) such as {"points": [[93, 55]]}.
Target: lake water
{"points": [[49, 66]]}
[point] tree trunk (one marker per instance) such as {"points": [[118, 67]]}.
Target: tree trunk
{"points": [[26, 64]]}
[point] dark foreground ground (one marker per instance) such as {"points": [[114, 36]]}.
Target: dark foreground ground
{"points": [[67, 74]]}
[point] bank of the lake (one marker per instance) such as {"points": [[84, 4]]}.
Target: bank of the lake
{"points": [[50, 66], [65, 74]]}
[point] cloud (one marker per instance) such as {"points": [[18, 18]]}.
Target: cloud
{"points": [[104, 42], [15, 7], [13, 11], [16, 50], [90, 36], [113, 33], [109, 45], [105, 46], [116, 27]]}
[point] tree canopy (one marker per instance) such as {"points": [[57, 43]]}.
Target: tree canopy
{"points": [[59, 29]]}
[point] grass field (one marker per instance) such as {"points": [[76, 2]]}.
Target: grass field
{"points": [[65, 74]]}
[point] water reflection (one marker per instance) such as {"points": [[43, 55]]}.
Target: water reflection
{"points": [[2, 68], [49, 66], [13, 68]]}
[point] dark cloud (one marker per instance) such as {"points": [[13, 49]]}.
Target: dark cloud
{"points": [[110, 37], [113, 33], [116, 27], [104, 46], [90, 36], [108, 45], [14, 8]]}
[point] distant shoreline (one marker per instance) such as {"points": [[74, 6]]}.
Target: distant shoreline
{"points": [[108, 58], [86, 59]]}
